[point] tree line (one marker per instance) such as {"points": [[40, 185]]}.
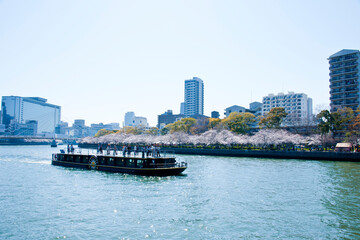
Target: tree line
{"points": [[343, 123]]}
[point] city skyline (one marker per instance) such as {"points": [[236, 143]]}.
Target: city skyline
{"points": [[100, 60]]}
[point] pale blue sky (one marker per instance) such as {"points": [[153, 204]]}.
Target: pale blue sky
{"points": [[101, 59]]}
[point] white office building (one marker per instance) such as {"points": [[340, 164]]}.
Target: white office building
{"points": [[133, 121], [194, 97], [297, 105], [19, 111]]}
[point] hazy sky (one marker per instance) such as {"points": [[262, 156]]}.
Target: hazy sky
{"points": [[101, 59]]}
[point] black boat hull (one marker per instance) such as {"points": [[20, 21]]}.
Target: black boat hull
{"points": [[148, 171]]}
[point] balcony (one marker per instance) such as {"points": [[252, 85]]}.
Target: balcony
{"points": [[334, 60], [336, 85], [336, 91], [350, 90], [337, 97], [354, 63], [351, 57], [350, 70], [337, 72], [349, 96], [337, 78], [349, 103], [336, 66]]}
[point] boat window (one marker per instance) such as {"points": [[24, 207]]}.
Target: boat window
{"points": [[101, 160], [120, 162], [111, 161], [77, 159], [140, 163], [130, 163]]}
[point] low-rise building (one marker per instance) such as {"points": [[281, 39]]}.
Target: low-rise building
{"points": [[134, 121], [215, 114], [255, 108], [232, 109], [167, 118]]}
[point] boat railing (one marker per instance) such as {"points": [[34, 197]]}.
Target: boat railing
{"points": [[139, 154], [181, 164], [168, 165]]}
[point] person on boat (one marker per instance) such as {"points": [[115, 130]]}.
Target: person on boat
{"points": [[72, 148], [68, 148], [129, 150], [124, 150], [100, 149], [157, 149], [108, 149], [147, 149], [115, 150], [153, 151], [143, 151], [135, 150]]}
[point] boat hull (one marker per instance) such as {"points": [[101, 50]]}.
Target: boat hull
{"points": [[148, 171]]}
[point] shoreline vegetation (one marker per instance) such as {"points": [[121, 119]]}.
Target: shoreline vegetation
{"points": [[266, 143]]}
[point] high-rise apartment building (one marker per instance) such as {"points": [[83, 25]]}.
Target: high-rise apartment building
{"points": [[344, 79], [298, 106], [194, 97], [17, 111]]}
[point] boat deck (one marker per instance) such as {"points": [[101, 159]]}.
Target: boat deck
{"points": [[134, 163]]}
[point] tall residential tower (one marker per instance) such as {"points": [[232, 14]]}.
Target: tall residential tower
{"points": [[344, 79], [194, 97]]}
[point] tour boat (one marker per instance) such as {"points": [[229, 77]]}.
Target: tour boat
{"points": [[53, 143], [130, 163]]}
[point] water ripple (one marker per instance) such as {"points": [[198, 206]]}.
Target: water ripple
{"points": [[216, 198]]}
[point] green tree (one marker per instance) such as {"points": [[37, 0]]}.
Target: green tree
{"points": [[349, 123], [332, 122], [132, 130], [183, 125], [152, 131], [214, 123], [274, 118], [201, 126], [103, 132], [165, 130], [239, 122]]}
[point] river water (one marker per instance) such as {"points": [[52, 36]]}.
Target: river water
{"points": [[216, 198]]}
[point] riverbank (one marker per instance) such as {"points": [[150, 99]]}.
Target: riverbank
{"points": [[305, 155], [329, 156], [23, 143]]}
